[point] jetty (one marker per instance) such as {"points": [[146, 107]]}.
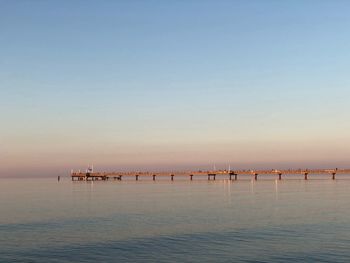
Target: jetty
{"points": [[305, 174]]}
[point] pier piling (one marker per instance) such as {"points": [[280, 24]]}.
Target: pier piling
{"points": [[172, 177], [154, 177], [191, 177], [211, 175]]}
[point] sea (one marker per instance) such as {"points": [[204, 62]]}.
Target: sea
{"points": [[268, 220]]}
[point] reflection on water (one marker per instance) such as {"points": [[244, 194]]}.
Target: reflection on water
{"points": [[44, 220], [276, 189]]}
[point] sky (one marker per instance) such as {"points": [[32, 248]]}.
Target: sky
{"points": [[173, 85]]}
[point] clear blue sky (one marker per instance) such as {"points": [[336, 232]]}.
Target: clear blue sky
{"points": [[180, 84]]}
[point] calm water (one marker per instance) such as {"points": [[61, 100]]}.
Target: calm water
{"points": [[42, 220]]}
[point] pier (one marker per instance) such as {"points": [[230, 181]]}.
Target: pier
{"points": [[304, 174]]}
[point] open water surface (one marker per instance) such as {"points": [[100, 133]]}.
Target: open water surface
{"points": [[42, 220]]}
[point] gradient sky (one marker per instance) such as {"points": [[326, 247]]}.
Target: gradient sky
{"points": [[173, 85]]}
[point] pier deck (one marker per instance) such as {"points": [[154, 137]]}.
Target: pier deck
{"points": [[231, 175]]}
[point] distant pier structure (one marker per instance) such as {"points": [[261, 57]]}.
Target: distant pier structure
{"points": [[255, 175]]}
